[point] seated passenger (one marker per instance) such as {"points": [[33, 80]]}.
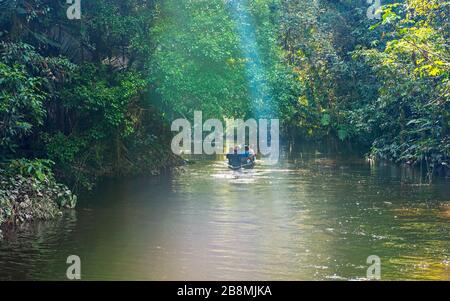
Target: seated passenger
{"points": [[249, 153], [252, 154], [230, 152], [234, 159]]}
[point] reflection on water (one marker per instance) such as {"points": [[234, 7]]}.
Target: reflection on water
{"points": [[316, 218]]}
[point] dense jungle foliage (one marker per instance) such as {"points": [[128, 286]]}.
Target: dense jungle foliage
{"points": [[96, 96]]}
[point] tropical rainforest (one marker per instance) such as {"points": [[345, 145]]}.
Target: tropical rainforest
{"points": [[91, 96]]}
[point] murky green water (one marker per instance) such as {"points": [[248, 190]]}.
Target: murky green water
{"points": [[317, 218]]}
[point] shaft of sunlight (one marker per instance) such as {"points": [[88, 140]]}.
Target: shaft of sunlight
{"points": [[259, 90]]}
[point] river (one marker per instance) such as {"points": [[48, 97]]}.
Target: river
{"points": [[311, 217]]}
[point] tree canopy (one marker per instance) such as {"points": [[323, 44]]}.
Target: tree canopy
{"points": [[97, 95]]}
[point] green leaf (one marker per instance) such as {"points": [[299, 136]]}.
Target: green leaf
{"points": [[342, 134], [326, 119]]}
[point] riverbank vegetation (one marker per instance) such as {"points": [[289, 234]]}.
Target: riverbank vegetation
{"points": [[96, 95], [29, 192]]}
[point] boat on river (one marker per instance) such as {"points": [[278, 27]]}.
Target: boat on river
{"points": [[238, 161]]}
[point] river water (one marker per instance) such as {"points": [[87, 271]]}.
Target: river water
{"points": [[312, 217]]}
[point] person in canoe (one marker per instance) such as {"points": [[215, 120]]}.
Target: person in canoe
{"points": [[234, 158], [249, 154]]}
